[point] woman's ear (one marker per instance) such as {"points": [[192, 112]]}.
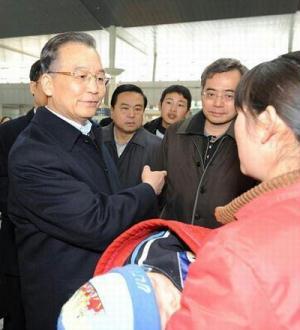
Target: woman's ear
{"points": [[47, 84], [268, 123]]}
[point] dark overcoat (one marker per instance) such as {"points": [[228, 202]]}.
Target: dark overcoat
{"points": [[64, 205], [8, 135], [10, 302]]}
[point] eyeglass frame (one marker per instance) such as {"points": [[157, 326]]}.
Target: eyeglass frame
{"points": [[106, 78], [223, 95]]}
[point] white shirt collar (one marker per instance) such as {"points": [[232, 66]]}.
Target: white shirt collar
{"points": [[84, 129]]}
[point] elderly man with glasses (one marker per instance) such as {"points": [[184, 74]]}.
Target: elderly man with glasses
{"points": [[65, 198], [200, 153]]}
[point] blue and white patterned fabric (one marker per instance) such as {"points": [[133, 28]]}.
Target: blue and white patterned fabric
{"points": [[122, 299]]}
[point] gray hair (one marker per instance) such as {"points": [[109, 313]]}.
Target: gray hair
{"points": [[49, 52], [222, 65]]}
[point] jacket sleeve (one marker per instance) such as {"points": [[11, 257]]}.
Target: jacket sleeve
{"points": [[223, 291]]}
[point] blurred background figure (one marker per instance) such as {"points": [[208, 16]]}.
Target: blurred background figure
{"points": [[4, 119], [105, 121], [11, 297]]}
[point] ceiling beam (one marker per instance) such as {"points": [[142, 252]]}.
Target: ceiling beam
{"points": [[16, 50], [131, 40]]}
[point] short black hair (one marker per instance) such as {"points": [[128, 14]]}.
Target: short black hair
{"points": [[127, 88], [179, 89], [35, 71], [50, 50], [222, 65]]}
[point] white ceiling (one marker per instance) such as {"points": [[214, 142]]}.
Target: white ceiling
{"points": [[183, 49]]}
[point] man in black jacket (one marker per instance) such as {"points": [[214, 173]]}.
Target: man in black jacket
{"points": [[200, 153], [64, 195], [11, 296]]}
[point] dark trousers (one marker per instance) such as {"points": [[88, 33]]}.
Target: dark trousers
{"points": [[14, 318]]}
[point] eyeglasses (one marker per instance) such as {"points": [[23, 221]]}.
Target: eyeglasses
{"points": [[211, 95], [85, 77]]}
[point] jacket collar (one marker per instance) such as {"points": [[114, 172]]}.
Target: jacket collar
{"points": [[260, 197], [157, 122], [267, 199], [29, 115], [138, 137], [61, 131], [194, 125]]}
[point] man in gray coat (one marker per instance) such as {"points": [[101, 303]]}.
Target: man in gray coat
{"points": [[130, 145]]}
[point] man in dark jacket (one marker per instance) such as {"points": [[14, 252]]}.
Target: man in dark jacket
{"points": [[11, 296], [63, 183], [200, 153], [130, 145], [174, 105]]}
